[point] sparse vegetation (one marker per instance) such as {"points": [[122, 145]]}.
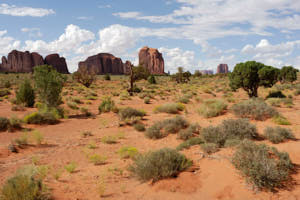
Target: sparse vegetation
{"points": [[212, 108], [171, 108], [25, 95], [107, 105], [160, 164], [278, 134]]}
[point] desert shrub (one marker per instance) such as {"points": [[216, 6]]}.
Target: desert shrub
{"points": [[276, 94], [24, 187], [160, 164], [97, 159], [254, 109], [147, 100], [209, 148], [41, 118], [232, 142], [263, 166], [239, 129], [139, 127], [109, 139], [288, 74], [107, 77], [4, 92], [4, 124], [171, 108], [189, 132], [128, 152], [38, 137], [136, 74], [22, 140], [212, 108], [278, 134], [15, 123], [274, 102], [154, 131], [7, 84], [190, 142], [84, 76], [25, 95], [181, 76], [281, 120], [214, 134], [48, 84], [72, 105], [151, 79], [71, 167], [184, 99], [131, 114], [106, 105]]}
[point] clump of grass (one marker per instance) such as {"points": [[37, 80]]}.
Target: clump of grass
{"points": [[72, 105], [147, 100], [139, 127], [4, 124], [71, 167], [281, 120], [91, 145], [131, 115], [38, 137], [190, 142], [107, 105], [278, 134], [128, 152], [212, 108], [160, 164], [97, 159], [109, 140], [254, 109], [22, 140], [209, 148], [163, 128], [41, 118], [192, 131], [171, 108], [85, 134], [263, 166]]}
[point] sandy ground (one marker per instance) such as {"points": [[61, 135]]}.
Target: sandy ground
{"points": [[216, 178]]}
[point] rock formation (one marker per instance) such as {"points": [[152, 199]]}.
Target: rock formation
{"points": [[152, 59], [206, 72], [222, 69], [21, 62], [127, 67], [59, 63], [103, 63], [24, 62]]}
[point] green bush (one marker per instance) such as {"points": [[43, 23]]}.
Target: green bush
{"points": [[27, 185], [191, 131], [278, 134], [190, 142], [171, 108], [4, 124], [151, 79], [25, 95], [49, 84], [41, 118], [106, 105], [263, 166], [239, 129], [163, 128], [131, 114], [107, 77], [209, 148], [212, 108], [160, 164], [288, 74], [281, 120], [254, 109], [139, 127], [4, 92], [128, 152], [214, 134], [147, 100], [84, 77]]}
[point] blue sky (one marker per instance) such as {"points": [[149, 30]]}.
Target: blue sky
{"points": [[194, 34]]}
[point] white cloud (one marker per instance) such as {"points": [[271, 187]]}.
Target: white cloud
{"points": [[104, 6], [13, 10], [33, 32], [7, 43], [176, 57], [85, 18]]}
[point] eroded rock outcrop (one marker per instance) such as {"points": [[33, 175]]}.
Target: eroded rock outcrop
{"points": [[207, 72], [127, 67], [21, 62], [59, 63], [152, 59], [222, 69], [24, 62], [103, 63]]}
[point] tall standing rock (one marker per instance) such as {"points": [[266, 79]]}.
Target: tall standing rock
{"points": [[21, 62], [127, 67], [152, 59], [222, 69], [103, 63], [59, 63]]}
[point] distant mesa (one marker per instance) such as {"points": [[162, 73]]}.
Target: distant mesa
{"points": [[222, 69], [105, 63], [152, 59], [207, 72], [24, 62]]}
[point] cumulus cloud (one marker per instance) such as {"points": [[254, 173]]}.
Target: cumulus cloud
{"points": [[13, 10], [7, 43]]}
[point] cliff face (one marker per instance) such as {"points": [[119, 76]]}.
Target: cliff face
{"points": [[24, 62], [152, 59], [103, 63], [222, 68]]}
